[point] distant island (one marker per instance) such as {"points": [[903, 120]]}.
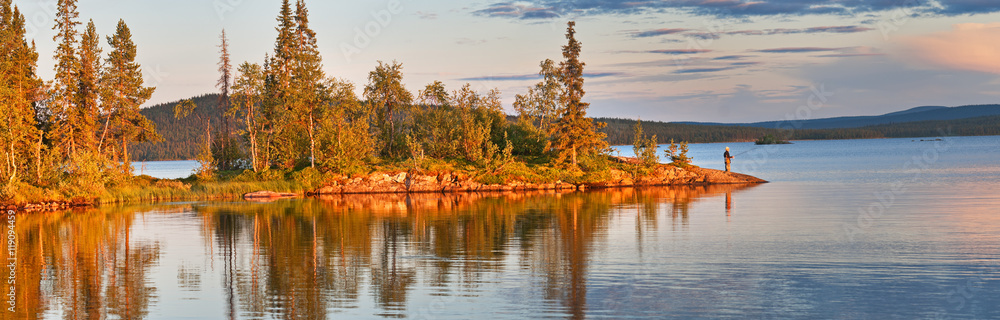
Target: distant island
{"points": [[770, 139], [920, 122]]}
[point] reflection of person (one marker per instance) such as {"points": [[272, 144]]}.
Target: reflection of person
{"points": [[728, 159], [729, 203]]}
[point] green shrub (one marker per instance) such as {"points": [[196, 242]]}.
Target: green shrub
{"points": [[309, 178]]}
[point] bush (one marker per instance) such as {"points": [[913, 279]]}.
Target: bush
{"points": [[527, 139], [309, 178], [679, 158]]}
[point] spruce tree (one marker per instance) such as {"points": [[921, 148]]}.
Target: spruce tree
{"points": [[20, 89], [225, 157], [306, 93], [281, 138], [88, 90], [64, 87], [123, 92], [574, 133]]}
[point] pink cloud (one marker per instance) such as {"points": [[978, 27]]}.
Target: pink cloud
{"points": [[968, 46]]}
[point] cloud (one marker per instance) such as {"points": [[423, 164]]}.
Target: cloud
{"points": [[680, 51], [731, 57], [657, 32], [427, 15], [849, 55], [544, 9], [526, 77], [519, 77], [797, 50], [703, 70], [519, 10], [470, 41], [968, 46], [779, 31]]}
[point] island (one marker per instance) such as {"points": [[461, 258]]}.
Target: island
{"points": [[770, 139]]}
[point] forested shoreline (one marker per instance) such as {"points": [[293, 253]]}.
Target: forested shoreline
{"points": [[282, 122], [181, 135]]}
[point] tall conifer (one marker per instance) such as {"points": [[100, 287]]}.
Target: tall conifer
{"points": [[574, 132], [20, 88], [87, 88], [224, 84], [63, 94], [306, 94], [123, 92]]}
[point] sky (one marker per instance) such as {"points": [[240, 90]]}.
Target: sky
{"points": [[659, 60]]}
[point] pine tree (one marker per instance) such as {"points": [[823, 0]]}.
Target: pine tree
{"points": [[306, 93], [224, 161], [282, 62], [281, 138], [574, 133], [88, 90], [64, 86], [123, 92], [20, 89]]}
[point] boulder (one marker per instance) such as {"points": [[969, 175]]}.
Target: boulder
{"points": [[268, 195]]}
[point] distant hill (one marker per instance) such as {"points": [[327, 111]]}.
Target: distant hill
{"points": [[182, 138], [619, 131], [927, 113]]}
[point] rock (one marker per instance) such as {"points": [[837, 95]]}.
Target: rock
{"points": [[268, 195]]}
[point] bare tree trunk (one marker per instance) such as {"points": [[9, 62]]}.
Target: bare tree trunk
{"points": [[125, 158], [100, 146], [12, 163], [252, 130], [574, 156], [38, 160], [208, 135], [312, 143]]}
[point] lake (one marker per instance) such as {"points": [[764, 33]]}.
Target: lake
{"points": [[860, 229]]}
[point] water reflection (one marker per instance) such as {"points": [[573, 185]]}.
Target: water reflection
{"points": [[315, 258], [83, 264]]}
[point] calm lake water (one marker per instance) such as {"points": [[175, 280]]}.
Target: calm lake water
{"points": [[165, 169], [863, 229]]}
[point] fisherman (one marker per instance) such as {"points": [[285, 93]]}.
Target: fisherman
{"points": [[729, 158]]}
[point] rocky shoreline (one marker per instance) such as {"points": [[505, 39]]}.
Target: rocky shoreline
{"points": [[453, 182], [445, 182]]}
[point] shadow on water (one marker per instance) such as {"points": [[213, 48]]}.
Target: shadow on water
{"points": [[318, 257]]}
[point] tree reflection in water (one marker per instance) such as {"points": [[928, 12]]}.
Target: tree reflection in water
{"points": [[311, 258]]}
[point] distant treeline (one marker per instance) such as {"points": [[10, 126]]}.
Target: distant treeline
{"points": [[620, 131], [182, 138]]}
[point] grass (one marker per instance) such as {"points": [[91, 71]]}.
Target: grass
{"points": [[234, 184]]}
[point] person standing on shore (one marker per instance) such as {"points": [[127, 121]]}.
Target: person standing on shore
{"points": [[728, 159]]}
